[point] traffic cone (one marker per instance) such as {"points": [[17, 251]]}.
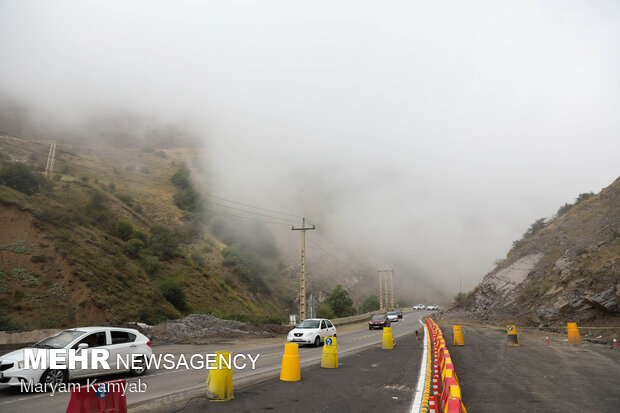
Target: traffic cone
{"points": [[433, 404], [615, 343], [547, 340]]}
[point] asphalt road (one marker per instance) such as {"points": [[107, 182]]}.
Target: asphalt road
{"points": [[168, 388], [373, 380], [534, 377]]}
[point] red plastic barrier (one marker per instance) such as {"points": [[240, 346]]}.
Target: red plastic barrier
{"points": [[104, 397], [445, 394], [453, 406]]}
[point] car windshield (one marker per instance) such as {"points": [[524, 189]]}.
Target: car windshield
{"points": [[391, 313], [308, 324], [59, 340], [378, 317]]}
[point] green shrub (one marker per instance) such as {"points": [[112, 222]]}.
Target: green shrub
{"points": [[19, 177], [133, 248], [127, 199], [163, 243], [173, 292], [124, 229], [151, 264], [564, 209], [8, 324], [181, 178], [187, 199]]}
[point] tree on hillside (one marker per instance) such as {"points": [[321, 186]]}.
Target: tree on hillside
{"points": [[325, 311], [584, 196], [563, 209], [340, 302], [370, 303], [539, 224]]}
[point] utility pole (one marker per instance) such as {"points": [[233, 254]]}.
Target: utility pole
{"points": [[49, 168], [302, 283], [385, 289], [392, 290], [380, 291]]}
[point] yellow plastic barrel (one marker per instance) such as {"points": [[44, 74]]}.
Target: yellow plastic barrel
{"points": [[220, 379], [387, 342], [329, 360], [290, 370]]}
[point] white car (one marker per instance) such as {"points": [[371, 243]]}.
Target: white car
{"points": [[432, 307], [419, 307], [393, 316], [312, 331], [125, 342]]}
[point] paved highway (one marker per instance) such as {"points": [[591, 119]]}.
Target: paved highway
{"points": [[172, 386]]}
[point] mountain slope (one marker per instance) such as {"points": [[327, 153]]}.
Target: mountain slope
{"points": [[568, 270], [104, 240]]}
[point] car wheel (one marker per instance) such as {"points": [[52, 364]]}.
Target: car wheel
{"points": [[140, 367], [52, 378], [317, 341]]}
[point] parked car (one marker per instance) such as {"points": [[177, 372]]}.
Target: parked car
{"points": [[378, 321], [392, 316], [122, 341], [312, 331], [419, 307], [432, 307], [399, 313]]}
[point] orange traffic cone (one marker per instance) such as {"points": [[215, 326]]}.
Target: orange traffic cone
{"points": [[433, 404], [615, 343], [547, 340]]}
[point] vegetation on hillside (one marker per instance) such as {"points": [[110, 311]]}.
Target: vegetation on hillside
{"points": [[119, 245]]}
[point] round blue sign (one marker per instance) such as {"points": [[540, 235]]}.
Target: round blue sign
{"points": [[328, 341]]}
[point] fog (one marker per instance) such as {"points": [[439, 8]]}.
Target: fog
{"points": [[423, 136]]}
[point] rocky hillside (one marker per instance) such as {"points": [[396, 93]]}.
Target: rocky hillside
{"points": [[120, 234], [564, 269]]}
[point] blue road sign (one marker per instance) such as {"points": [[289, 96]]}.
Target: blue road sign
{"points": [[328, 341]]}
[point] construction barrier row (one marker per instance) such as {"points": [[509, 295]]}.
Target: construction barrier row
{"points": [[446, 389]]}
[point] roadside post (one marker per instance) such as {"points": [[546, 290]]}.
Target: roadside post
{"points": [[329, 360]]}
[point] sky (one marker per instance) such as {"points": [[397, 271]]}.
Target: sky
{"points": [[425, 135]]}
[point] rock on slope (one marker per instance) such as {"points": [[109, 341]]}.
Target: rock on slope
{"points": [[567, 271]]}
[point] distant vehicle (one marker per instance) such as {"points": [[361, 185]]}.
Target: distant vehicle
{"points": [[399, 313], [419, 307], [122, 341], [378, 321], [312, 331], [392, 316], [432, 307]]}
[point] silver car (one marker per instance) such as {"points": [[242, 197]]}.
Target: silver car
{"points": [[312, 331]]}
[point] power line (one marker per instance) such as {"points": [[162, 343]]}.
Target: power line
{"points": [[150, 178], [201, 196]]}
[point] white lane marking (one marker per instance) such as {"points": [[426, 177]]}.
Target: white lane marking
{"points": [[419, 391]]}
